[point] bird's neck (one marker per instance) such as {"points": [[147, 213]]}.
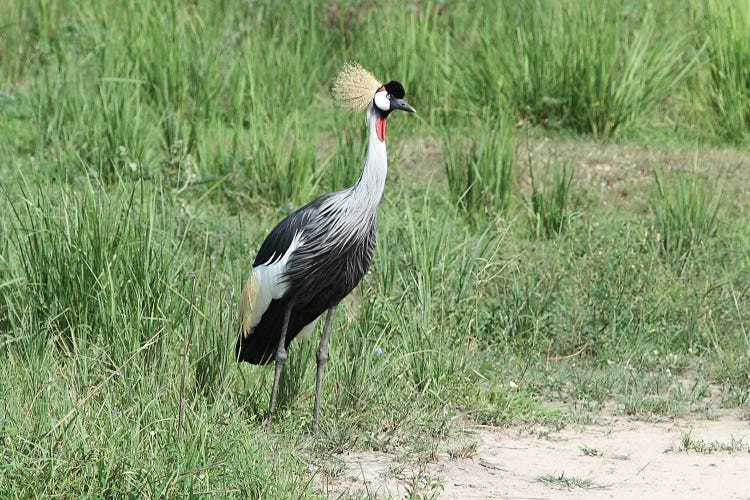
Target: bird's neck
{"points": [[369, 188]]}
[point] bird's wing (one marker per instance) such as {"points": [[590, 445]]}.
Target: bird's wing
{"points": [[267, 281], [277, 242]]}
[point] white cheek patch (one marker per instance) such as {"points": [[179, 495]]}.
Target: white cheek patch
{"points": [[382, 101]]}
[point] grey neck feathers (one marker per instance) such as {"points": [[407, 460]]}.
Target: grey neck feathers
{"points": [[368, 190]]}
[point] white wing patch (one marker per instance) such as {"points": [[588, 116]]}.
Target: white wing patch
{"points": [[265, 284]]}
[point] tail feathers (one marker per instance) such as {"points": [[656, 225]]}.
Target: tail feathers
{"points": [[256, 349], [259, 347]]}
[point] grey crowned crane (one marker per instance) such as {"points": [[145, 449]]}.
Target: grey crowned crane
{"points": [[314, 257]]}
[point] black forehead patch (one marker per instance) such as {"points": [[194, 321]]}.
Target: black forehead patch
{"points": [[395, 89]]}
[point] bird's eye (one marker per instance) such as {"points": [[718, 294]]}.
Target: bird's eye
{"points": [[388, 96]]}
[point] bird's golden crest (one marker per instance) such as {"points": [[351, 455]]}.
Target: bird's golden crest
{"points": [[354, 87]]}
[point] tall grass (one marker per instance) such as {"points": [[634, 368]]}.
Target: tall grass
{"points": [[177, 76], [481, 171], [726, 26], [281, 173], [687, 213], [342, 168], [96, 268], [549, 206], [593, 69]]}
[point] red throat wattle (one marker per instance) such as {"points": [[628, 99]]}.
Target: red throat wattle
{"points": [[380, 128]]}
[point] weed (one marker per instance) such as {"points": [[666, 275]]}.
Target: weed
{"points": [[568, 483], [690, 443], [687, 214], [481, 172]]}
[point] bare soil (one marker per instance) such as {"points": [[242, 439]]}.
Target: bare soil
{"points": [[619, 458], [619, 173]]}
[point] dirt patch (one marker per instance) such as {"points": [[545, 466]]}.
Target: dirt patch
{"points": [[622, 458], [618, 172], [622, 175]]}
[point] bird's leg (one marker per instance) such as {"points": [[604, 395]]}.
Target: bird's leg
{"points": [[280, 360], [322, 360]]}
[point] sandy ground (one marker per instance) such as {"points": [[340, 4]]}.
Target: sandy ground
{"points": [[622, 458]]}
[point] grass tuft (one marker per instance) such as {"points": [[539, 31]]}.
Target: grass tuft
{"points": [[689, 443], [481, 171], [568, 483], [726, 27], [549, 210], [595, 70], [93, 267], [687, 213]]}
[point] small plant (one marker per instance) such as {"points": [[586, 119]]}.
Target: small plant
{"points": [[590, 452], [420, 482], [549, 206], [649, 407], [568, 483], [690, 443], [686, 214], [524, 307], [480, 170], [468, 450]]}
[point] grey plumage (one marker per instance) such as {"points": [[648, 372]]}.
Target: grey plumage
{"points": [[318, 254], [334, 258]]}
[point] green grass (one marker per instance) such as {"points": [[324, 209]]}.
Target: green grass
{"points": [[687, 213], [148, 147], [549, 207], [591, 69], [727, 32], [481, 171], [689, 443]]}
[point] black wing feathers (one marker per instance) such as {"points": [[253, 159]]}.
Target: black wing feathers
{"points": [[278, 241], [319, 274], [260, 347]]}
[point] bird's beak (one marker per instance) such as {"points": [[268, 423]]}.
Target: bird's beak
{"points": [[402, 105]]}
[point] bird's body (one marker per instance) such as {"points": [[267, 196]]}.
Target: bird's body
{"points": [[316, 256]]}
